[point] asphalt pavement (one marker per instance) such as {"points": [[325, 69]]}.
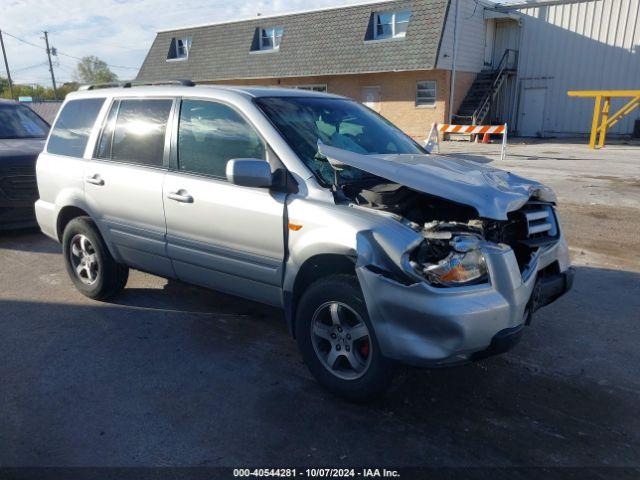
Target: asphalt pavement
{"points": [[173, 375]]}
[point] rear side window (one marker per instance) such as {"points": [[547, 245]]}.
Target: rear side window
{"points": [[73, 127], [138, 136], [210, 134], [106, 136]]}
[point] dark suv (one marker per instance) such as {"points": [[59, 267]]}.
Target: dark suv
{"points": [[22, 135]]}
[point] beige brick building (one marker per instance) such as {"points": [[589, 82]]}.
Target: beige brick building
{"points": [[396, 94], [395, 56]]}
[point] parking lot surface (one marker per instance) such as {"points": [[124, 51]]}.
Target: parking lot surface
{"points": [[168, 374]]}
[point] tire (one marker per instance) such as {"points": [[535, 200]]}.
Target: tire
{"points": [[339, 296], [89, 264]]}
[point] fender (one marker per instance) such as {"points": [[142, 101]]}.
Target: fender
{"points": [[71, 197], [363, 236]]}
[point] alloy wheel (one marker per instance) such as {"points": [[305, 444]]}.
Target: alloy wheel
{"points": [[84, 259], [341, 340]]}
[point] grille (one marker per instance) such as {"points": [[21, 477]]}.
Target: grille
{"points": [[541, 224], [526, 230], [19, 183]]}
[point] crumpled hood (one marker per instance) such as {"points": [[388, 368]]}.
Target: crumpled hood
{"points": [[492, 192]]}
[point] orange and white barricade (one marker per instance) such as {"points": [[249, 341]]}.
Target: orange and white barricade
{"points": [[442, 128]]}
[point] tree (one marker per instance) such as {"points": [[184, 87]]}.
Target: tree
{"points": [[35, 91], [4, 84], [93, 70]]}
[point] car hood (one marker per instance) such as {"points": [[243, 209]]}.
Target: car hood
{"points": [[20, 150], [492, 192]]}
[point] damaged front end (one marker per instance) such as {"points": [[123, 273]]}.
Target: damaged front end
{"points": [[472, 276], [474, 207]]}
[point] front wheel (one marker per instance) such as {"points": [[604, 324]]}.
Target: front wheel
{"points": [[337, 341]]}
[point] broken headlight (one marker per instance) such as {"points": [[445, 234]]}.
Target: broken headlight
{"points": [[457, 269], [452, 261]]}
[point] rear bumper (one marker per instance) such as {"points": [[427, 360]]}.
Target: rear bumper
{"points": [[46, 218]]}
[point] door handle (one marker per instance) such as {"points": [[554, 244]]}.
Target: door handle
{"points": [[94, 179], [180, 196]]}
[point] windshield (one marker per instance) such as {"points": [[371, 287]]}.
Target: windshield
{"points": [[337, 122], [17, 121]]}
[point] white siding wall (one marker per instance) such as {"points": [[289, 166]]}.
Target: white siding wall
{"points": [[507, 36], [471, 37], [581, 46]]}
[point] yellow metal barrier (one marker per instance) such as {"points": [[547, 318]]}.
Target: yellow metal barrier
{"points": [[601, 119]]}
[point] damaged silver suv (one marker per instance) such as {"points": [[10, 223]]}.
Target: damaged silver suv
{"points": [[376, 251]]}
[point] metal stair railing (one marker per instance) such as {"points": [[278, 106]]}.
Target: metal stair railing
{"points": [[482, 111]]}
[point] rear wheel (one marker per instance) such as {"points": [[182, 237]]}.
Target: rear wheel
{"points": [[89, 264], [337, 341]]}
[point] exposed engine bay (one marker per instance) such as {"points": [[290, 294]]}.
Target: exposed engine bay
{"points": [[451, 254]]}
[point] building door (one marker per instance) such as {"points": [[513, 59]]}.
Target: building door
{"points": [[489, 41], [371, 98], [531, 122]]}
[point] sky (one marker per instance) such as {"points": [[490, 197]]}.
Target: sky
{"points": [[119, 32]]}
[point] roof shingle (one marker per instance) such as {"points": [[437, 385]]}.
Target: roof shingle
{"points": [[322, 42]]}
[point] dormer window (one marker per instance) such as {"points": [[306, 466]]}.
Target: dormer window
{"points": [[179, 48], [390, 24], [270, 38]]}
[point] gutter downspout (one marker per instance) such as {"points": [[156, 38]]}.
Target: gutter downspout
{"points": [[452, 86]]}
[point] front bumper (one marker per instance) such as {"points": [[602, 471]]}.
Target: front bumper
{"points": [[423, 325]]}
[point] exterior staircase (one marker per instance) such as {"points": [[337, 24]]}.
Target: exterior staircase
{"points": [[477, 103]]}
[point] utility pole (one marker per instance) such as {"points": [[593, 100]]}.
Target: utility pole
{"points": [[53, 77], [6, 65]]}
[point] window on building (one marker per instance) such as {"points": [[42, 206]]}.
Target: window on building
{"points": [[270, 38], [138, 136], [390, 24], [73, 127], [426, 93], [179, 48], [210, 134], [311, 88]]}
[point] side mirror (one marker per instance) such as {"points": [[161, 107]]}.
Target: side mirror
{"points": [[249, 172]]}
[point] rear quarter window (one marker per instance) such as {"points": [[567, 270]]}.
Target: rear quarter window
{"points": [[71, 131]]}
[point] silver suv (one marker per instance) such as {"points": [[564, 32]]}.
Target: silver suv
{"points": [[377, 252]]}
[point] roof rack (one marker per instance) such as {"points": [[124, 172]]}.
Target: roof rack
{"points": [[179, 81], [95, 86], [133, 83]]}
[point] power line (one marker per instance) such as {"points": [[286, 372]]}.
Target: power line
{"points": [[62, 53], [21, 40], [80, 59], [41, 64], [113, 45]]}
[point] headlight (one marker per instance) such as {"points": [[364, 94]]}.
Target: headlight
{"points": [[457, 269], [451, 262]]}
